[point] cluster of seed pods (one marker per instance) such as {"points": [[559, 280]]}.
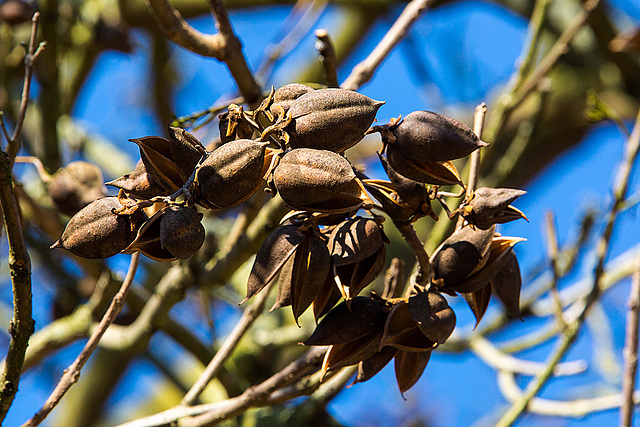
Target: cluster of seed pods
{"points": [[332, 245]]}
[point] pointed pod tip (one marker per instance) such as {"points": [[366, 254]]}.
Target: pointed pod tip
{"points": [[57, 244]]}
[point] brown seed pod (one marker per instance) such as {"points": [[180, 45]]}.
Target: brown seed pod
{"points": [[139, 184], [147, 240], [233, 126], [354, 240], [401, 331], [97, 231], [428, 172], [75, 186], [506, 284], [343, 323], [319, 180], [331, 119], [181, 231], [304, 274], [233, 172], [428, 136], [186, 151], [374, 364], [409, 367], [463, 252], [284, 96], [490, 206], [435, 319], [274, 252]]}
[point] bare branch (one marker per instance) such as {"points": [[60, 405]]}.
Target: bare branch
{"points": [[13, 146], [474, 161], [22, 324], [328, 57], [72, 373], [252, 397], [224, 46], [561, 408], [363, 72], [631, 351], [211, 371]]}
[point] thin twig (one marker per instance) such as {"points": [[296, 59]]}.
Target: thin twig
{"points": [[501, 361], [631, 351], [296, 26], [474, 161], [13, 146], [253, 396], [327, 56], [363, 72], [211, 371], [577, 408], [411, 237], [553, 250], [72, 373], [224, 46]]}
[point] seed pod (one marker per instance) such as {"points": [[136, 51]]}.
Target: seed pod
{"points": [[232, 125], [318, 180], [507, 282], [409, 367], [162, 165], [147, 240], [428, 172], [427, 136], [97, 231], [181, 232], [331, 119], [139, 184], [186, 151], [233, 172], [304, 275], [343, 323], [435, 319], [401, 331], [490, 206], [274, 252], [75, 186], [284, 96], [463, 252], [374, 364]]}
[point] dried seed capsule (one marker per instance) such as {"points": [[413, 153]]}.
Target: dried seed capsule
{"points": [[233, 172], [428, 172], [284, 96], [428, 136], [490, 206], [97, 231], [464, 252], [305, 178], [181, 232], [75, 186], [331, 119], [139, 184]]}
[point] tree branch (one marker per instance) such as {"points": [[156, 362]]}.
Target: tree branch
{"points": [[22, 324], [631, 351], [211, 371], [72, 373], [224, 46], [363, 72]]}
